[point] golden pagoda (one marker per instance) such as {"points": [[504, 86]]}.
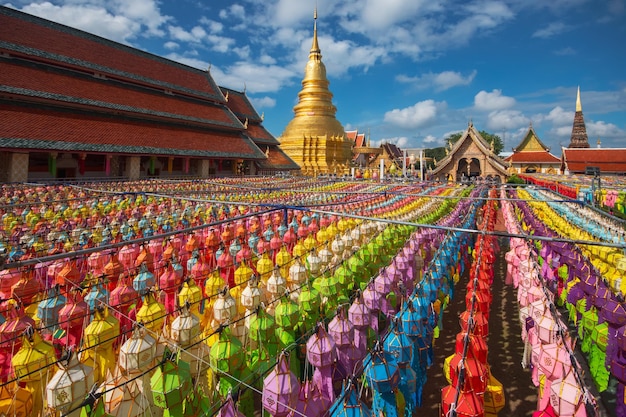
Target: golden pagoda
{"points": [[314, 138]]}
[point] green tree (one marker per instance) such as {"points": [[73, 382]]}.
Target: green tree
{"points": [[490, 138]]}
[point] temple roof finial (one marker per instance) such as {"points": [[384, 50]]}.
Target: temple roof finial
{"points": [[579, 106]]}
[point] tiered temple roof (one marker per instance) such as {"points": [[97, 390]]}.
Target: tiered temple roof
{"points": [[67, 90], [532, 150]]}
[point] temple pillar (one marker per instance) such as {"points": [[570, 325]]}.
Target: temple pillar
{"points": [[204, 168], [18, 167], [133, 167]]}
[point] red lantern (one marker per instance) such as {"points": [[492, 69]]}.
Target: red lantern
{"points": [[468, 403]]}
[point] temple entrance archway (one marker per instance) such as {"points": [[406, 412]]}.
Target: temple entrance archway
{"points": [[468, 168]]}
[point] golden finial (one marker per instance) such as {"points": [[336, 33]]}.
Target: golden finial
{"points": [[579, 106], [226, 97], [262, 116], [315, 48], [245, 124]]}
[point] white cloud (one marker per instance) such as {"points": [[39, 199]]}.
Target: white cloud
{"points": [[171, 45], [438, 81], [602, 129], [235, 10], [399, 141], [506, 120], [568, 50], [118, 20], [90, 18], [256, 78], [492, 101], [263, 102], [558, 117], [431, 139], [419, 115], [553, 29]]}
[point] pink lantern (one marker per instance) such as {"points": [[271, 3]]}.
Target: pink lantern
{"points": [[281, 389], [566, 395], [229, 409], [73, 318], [360, 316]]}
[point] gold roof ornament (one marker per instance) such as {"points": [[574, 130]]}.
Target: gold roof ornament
{"points": [[579, 106]]}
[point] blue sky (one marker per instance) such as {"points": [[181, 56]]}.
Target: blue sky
{"points": [[408, 71]]}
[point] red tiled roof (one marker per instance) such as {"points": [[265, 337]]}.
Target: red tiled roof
{"points": [[239, 104], [533, 157], [609, 160], [352, 134], [360, 140], [74, 127], [277, 160], [260, 134], [24, 35], [103, 93]]}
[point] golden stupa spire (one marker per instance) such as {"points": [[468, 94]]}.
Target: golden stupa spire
{"points": [[315, 52], [579, 106], [314, 138]]}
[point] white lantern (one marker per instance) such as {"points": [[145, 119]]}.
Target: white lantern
{"points": [[251, 295], [185, 328], [314, 262], [338, 246], [137, 353], [276, 283], [125, 396], [70, 385], [347, 240], [297, 274], [326, 256], [225, 307]]}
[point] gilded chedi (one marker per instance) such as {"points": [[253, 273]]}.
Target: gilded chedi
{"points": [[314, 138]]}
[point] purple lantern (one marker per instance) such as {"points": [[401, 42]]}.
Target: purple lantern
{"points": [[281, 389], [321, 353]]}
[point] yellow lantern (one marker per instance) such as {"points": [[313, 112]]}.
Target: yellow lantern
{"points": [[69, 386], [99, 337], [190, 293], [32, 365], [299, 250], [283, 260], [264, 267], [151, 314]]}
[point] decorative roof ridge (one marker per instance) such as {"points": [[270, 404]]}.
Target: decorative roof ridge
{"points": [[108, 70], [123, 107]]}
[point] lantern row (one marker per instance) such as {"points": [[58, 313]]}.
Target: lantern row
{"points": [[548, 346]]}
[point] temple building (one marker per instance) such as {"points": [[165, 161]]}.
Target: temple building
{"points": [[471, 156], [314, 138], [74, 105], [532, 156], [579, 131]]}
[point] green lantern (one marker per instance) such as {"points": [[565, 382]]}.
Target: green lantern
{"points": [[344, 276], [227, 354], [171, 384], [286, 314], [309, 302]]}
